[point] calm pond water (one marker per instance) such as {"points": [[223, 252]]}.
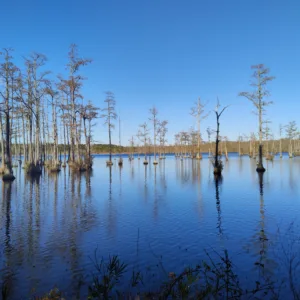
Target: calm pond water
{"points": [[157, 219]]}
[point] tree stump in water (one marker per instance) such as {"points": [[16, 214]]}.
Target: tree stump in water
{"points": [[217, 171], [8, 177]]}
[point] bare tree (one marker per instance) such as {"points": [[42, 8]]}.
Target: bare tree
{"points": [[194, 138], [177, 145], [291, 132], [266, 131], [184, 141], [155, 122], [209, 133], [162, 131], [253, 140], [131, 143], [197, 111], [225, 139], [280, 139], [109, 114], [257, 98], [143, 136], [217, 163], [240, 139]]}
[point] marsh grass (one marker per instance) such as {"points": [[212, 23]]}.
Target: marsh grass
{"points": [[211, 279]]}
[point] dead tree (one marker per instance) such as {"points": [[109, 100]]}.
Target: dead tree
{"points": [[217, 163], [209, 133], [143, 136], [291, 132], [154, 120], [197, 111], [162, 131], [109, 114], [280, 140]]}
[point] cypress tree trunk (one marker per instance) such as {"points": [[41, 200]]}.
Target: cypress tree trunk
{"points": [[260, 168], [2, 144]]}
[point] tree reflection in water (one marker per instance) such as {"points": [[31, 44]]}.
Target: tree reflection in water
{"points": [[145, 182], [218, 181], [111, 224], [8, 273], [263, 240], [156, 195], [120, 180]]}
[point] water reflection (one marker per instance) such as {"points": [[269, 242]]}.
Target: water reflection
{"points": [[112, 214], [265, 264], [6, 211], [162, 174], [291, 175], [241, 164], [262, 233], [7, 273], [218, 182], [183, 171], [156, 195], [120, 179], [50, 225], [146, 182]]}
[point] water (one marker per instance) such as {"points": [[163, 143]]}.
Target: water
{"points": [[157, 219]]}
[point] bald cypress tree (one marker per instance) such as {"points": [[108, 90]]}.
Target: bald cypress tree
{"points": [[257, 97]]}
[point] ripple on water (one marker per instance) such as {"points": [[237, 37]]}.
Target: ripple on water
{"points": [[156, 219]]}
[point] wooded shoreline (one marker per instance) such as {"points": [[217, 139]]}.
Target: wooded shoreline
{"points": [[232, 146]]}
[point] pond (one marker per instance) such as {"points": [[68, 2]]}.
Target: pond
{"points": [[158, 219]]}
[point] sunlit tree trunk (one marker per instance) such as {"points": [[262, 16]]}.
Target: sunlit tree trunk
{"points": [[2, 144]]}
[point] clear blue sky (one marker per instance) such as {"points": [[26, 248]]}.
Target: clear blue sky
{"points": [[167, 53]]}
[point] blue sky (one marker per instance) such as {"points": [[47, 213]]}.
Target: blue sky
{"points": [[167, 53]]}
